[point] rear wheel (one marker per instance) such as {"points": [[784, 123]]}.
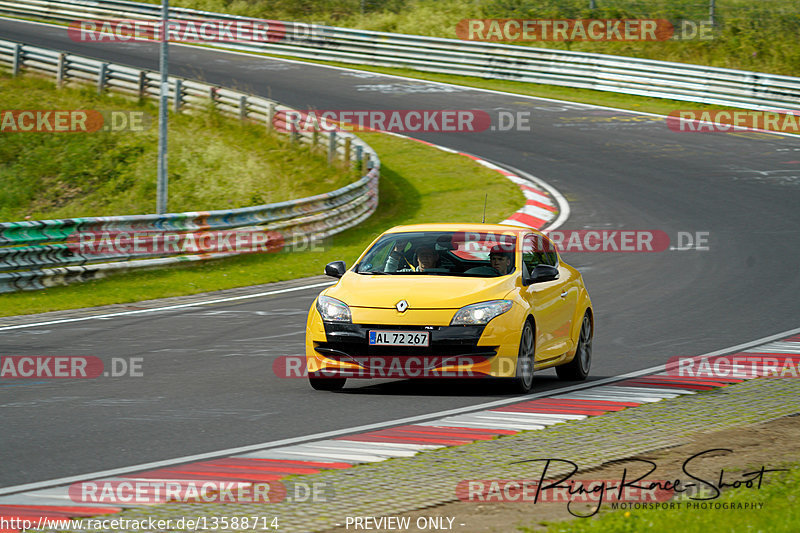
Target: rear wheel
{"points": [[326, 383], [578, 368], [523, 381]]}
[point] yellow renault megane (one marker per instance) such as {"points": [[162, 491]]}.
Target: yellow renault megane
{"points": [[451, 300]]}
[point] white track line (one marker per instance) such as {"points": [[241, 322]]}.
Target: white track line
{"points": [[378, 425], [563, 214], [563, 204], [266, 55], [167, 308]]}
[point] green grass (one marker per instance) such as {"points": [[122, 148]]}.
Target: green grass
{"points": [[214, 162], [418, 184], [643, 104], [779, 514], [760, 36], [342, 11]]}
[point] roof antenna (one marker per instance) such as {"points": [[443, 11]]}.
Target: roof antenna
{"points": [[484, 208]]}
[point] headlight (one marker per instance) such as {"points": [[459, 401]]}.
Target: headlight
{"points": [[333, 310], [480, 314]]}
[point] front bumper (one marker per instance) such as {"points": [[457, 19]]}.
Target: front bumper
{"points": [[343, 350]]}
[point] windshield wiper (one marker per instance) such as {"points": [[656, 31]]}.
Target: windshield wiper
{"points": [[374, 272]]}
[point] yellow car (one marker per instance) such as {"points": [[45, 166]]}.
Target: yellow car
{"points": [[451, 300]]}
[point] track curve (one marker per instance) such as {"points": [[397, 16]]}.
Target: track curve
{"points": [[208, 382]]}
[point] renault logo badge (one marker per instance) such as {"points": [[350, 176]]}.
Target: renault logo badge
{"points": [[401, 306]]}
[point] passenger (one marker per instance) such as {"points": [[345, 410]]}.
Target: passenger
{"points": [[501, 259], [427, 257]]}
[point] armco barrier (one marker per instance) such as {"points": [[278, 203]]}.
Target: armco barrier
{"points": [[37, 267], [35, 254], [644, 77]]}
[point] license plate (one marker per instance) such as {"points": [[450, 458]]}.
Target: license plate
{"points": [[398, 338]]}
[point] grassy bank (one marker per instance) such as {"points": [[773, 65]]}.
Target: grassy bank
{"points": [[760, 36], [780, 513], [418, 184], [214, 162]]}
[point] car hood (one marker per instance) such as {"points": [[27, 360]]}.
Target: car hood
{"points": [[420, 291]]}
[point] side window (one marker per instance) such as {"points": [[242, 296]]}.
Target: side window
{"points": [[550, 256], [538, 250]]}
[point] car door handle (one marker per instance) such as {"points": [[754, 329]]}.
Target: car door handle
{"points": [[564, 294]]}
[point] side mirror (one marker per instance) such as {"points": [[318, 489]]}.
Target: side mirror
{"points": [[335, 269], [543, 273]]}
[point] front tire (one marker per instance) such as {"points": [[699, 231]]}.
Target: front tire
{"points": [[578, 368], [325, 383], [523, 381]]}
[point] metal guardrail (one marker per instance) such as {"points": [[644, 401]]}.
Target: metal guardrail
{"points": [[41, 253], [644, 77]]}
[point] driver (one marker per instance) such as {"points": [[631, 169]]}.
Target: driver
{"points": [[427, 259]]}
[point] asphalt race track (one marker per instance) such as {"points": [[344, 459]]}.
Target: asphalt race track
{"points": [[208, 382]]}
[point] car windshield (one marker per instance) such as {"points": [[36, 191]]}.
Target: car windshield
{"points": [[442, 253]]}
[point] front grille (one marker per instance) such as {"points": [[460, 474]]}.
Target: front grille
{"points": [[346, 341]]}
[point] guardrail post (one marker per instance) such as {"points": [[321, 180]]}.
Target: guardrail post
{"points": [[270, 116], [16, 59], [101, 78], [178, 95], [331, 146], [62, 63], [359, 154], [315, 135], [145, 82], [291, 127], [527, 62], [367, 163], [347, 142], [142, 84], [711, 13], [242, 108]]}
